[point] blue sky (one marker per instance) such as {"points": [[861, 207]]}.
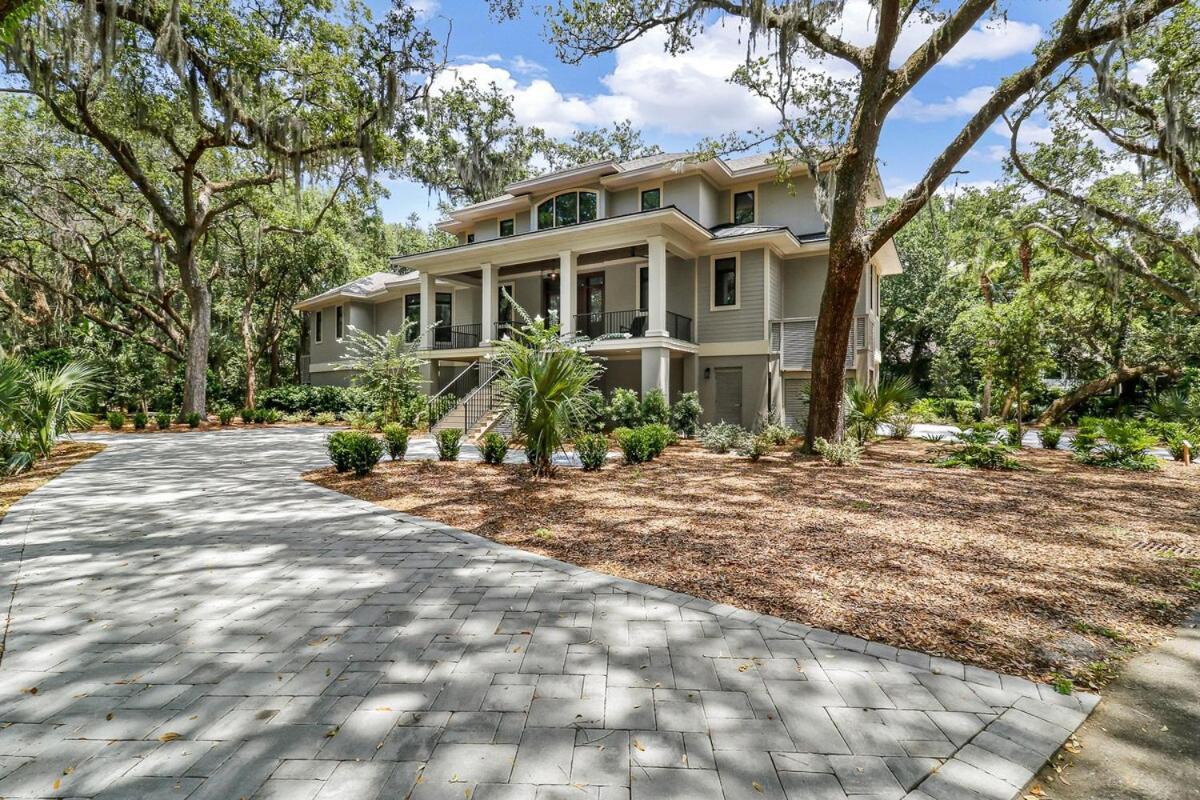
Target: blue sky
{"points": [[677, 101]]}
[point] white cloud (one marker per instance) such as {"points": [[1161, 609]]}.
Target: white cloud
{"points": [[425, 9], [1141, 71], [961, 106], [537, 102], [525, 66]]}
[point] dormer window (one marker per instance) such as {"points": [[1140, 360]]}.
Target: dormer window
{"points": [[651, 199], [743, 208], [568, 208]]}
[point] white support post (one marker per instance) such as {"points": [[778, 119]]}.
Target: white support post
{"points": [[568, 262], [656, 303], [428, 310], [489, 305]]}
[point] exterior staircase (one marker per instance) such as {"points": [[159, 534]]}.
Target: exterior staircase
{"points": [[478, 411]]}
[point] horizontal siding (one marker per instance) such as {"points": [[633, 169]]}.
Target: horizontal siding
{"points": [[744, 324]]}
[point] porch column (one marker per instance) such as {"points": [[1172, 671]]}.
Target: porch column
{"points": [[428, 300], [489, 304], [568, 262], [656, 303], [656, 370]]}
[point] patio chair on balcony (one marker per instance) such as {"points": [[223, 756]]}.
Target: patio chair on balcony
{"points": [[637, 327]]}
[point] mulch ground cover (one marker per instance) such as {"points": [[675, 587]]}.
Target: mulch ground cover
{"points": [[1056, 571], [63, 457]]}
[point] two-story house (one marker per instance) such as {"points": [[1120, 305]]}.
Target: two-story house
{"points": [[711, 272]]}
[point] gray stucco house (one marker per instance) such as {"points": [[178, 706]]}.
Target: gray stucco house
{"points": [[713, 270]]}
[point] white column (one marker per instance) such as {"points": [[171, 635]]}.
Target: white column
{"points": [[489, 303], [568, 262], [657, 289], [656, 370], [428, 299]]}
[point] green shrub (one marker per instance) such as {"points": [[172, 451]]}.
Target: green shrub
{"points": [[116, 420], [354, 451], [720, 437], [925, 410], [1117, 444], [755, 447], [655, 409], [1174, 434], [225, 415], [395, 437], [685, 414], [901, 425], [637, 444], [1050, 437], [595, 412], [979, 448], [660, 437], [298, 417], [325, 418], [193, 419], [1012, 434], [840, 454], [268, 416], [163, 420], [592, 449], [624, 409], [493, 447], [449, 443], [314, 399], [360, 420], [140, 420], [776, 435], [247, 415]]}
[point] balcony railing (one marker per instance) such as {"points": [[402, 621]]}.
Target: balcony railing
{"points": [[633, 323], [452, 337]]}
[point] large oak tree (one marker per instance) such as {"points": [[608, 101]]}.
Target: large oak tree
{"points": [[836, 123]]}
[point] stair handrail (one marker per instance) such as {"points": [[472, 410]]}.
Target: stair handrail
{"points": [[480, 400], [436, 410]]}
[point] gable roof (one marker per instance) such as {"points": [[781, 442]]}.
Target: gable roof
{"points": [[359, 289]]}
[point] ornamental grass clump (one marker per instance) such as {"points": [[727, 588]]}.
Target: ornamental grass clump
{"points": [[395, 439], [354, 451], [493, 447]]}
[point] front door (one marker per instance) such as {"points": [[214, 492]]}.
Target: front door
{"points": [[729, 394], [590, 321]]}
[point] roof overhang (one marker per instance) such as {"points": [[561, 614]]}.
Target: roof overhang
{"points": [[338, 295], [887, 259]]}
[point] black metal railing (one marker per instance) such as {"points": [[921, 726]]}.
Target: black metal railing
{"points": [[446, 399], [502, 329], [632, 323], [451, 337], [679, 327], [476, 400]]}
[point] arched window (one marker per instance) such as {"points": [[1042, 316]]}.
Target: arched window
{"points": [[568, 208]]}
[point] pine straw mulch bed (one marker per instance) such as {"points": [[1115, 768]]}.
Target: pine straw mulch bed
{"points": [[1042, 573], [62, 457]]}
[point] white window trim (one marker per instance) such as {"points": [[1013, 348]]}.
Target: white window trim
{"points": [[317, 320], [712, 282], [736, 190], [662, 197], [600, 210]]}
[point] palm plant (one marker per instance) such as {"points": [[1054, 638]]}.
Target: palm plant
{"points": [[544, 380], [871, 406], [38, 405], [387, 367]]}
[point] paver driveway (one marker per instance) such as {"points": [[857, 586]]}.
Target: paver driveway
{"points": [[192, 620]]}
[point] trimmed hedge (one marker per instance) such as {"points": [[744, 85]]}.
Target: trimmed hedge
{"points": [[354, 451]]}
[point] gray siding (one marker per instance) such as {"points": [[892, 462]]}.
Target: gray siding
{"points": [[737, 325], [694, 196], [389, 315], [681, 286], [774, 286], [803, 284], [754, 387], [796, 209], [623, 202], [358, 315]]}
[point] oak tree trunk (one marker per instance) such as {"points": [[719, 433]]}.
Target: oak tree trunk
{"points": [[826, 412], [250, 352], [195, 385], [1092, 388]]}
